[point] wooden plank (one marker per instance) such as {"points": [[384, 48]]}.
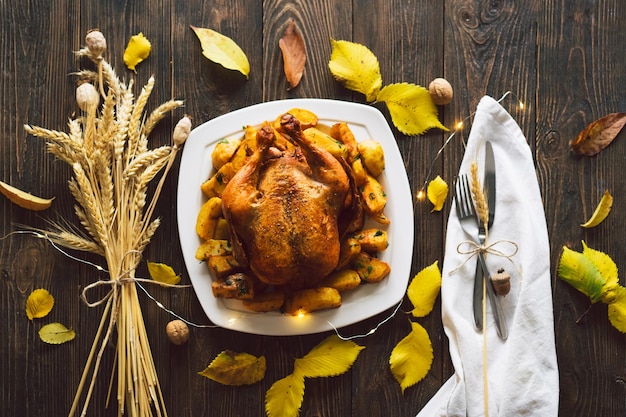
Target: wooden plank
{"points": [[580, 75]]}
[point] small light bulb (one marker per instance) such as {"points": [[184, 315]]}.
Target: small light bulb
{"points": [[459, 125], [521, 105], [420, 195]]}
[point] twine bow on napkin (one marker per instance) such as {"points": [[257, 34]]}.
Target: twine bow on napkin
{"points": [[521, 373]]}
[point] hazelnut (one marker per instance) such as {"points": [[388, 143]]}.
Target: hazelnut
{"points": [[177, 331], [440, 91], [501, 282]]}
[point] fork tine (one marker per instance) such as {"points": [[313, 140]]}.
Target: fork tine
{"points": [[469, 203]]}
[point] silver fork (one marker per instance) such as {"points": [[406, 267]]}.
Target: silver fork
{"points": [[467, 215]]}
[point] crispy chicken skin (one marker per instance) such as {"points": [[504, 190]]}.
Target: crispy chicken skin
{"points": [[283, 208]]}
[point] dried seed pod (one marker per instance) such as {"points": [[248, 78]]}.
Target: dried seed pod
{"points": [[177, 331], [501, 282], [87, 96], [181, 131], [96, 44]]}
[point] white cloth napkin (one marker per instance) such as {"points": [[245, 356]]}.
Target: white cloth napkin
{"points": [[522, 371]]}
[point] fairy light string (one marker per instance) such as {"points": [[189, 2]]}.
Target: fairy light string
{"points": [[112, 284], [421, 193]]}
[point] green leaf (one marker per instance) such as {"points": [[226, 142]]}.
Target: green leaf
{"points": [[56, 333], [356, 67], [411, 108], [412, 357], [580, 272], [284, 398], [331, 357], [231, 368], [39, 303], [423, 290]]}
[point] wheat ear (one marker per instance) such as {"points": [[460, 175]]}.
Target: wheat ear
{"points": [[479, 196]]}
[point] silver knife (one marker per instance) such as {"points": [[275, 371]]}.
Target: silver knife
{"points": [[490, 186]]}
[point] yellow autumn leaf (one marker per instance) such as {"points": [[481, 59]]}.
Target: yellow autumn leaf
{"points": [[411, 108], [284, 398], [232, 368], [24, 199], [437, 193], [56, 333], [423, 290], [617, 310], [412, 357], [356, 67], [39, 303], [163, 273], [606, 268], [222, 50], [137, 50], [601, 212], [331, 357]]}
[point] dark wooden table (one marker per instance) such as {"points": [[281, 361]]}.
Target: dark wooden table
{"points": [[563, 59]]}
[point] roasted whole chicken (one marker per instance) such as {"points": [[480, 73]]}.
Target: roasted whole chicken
{"points": [[288, 209]]}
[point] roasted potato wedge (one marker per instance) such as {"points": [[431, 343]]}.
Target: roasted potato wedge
{"points": [[306, 118], [213, 247], [312, 299], [264, 302], [224, 151], [373, 195], [323, 140], [214, 186], [370, 269], [349, 249], [372, 240], [206, 221], [223, 265], [373, 156], [342, 132], [239, 286], [344, 280]]}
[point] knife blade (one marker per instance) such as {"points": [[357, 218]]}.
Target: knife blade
{"points": [[489, 183]]}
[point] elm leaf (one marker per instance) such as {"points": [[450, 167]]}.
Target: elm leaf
{"points": [[222, 50], [56, 333], [356, 67], [437, 192], [412, 357], [598, 134], [232, 368], [423, 290], [39, 303], [580, 272], [284, 398], [331, 357], [617, 310], [163, 273], [411, 108]]}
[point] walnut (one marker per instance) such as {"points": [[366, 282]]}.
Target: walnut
{"points": [[177, 331], [440, 91]]}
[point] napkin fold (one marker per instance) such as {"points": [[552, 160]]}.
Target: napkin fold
{"points": [[522, 371]]}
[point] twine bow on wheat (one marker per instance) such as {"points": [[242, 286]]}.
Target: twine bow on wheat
{"points": [[107, 148]]}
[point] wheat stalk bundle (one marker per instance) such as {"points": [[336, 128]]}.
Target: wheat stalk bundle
{"points": [[107, 148]]}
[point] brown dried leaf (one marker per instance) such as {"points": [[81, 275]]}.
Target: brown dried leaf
{"points": [[294, 54], [598, 134]]}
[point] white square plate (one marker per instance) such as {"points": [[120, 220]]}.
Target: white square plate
{"points": [[361, 303]]}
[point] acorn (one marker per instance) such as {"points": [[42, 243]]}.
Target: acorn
{"points": [[501, 282]]}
